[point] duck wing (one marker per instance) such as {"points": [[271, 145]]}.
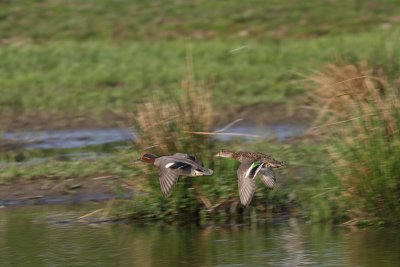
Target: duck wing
{"points": [[190, 157], [178, 165], [179, 162], [191, 162], [247, 185], [268, 177], [170, 168], [168, 179]]}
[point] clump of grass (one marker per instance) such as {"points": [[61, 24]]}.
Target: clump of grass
{"points": [[344, 90], [166, 126], [360, 115]]}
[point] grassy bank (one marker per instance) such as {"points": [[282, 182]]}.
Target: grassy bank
{"points": [[74, 59], [69, 80]]}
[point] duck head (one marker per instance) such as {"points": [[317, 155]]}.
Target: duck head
{"points": [[149, 158], [224, 153], [272, 163]]}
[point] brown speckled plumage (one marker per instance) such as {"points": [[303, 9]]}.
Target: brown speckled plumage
{"points": [[251, 165], [254, 156]]}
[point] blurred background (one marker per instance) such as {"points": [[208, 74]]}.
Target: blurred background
{"points": [[87, 86]]}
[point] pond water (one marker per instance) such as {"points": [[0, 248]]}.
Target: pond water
{"points": [[76, 138], [50, 236]]}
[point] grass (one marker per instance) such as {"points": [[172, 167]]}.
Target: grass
{"points": [[16, 169], [165, 126], [124, 20], [86, 59], [68, 79], [167, 123], [364, 147]]}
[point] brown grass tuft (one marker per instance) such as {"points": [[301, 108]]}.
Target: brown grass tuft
{"points": [[359, 116], [350, 93], [163, 125]]}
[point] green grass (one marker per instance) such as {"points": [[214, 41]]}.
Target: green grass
{"points": [[16, 169], [70, 79], [124, 20], [84, 58], [362, 168]]}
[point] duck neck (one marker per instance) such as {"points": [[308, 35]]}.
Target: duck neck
{"points": [[149, 158]]}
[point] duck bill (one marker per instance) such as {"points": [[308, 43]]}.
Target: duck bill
{"points": [[279, 165]]}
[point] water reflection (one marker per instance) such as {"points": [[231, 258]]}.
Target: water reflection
{"points": [[34, 236], [375, 247]]}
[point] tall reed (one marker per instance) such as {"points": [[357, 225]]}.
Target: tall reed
{"points": [[359, 114]]}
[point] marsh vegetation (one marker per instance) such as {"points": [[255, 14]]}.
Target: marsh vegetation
{"points": [[96, 65]]}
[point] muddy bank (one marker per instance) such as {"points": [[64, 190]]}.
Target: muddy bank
{"points": [[46, 191]]}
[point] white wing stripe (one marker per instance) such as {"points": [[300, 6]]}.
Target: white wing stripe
{"points": [[258, 169], [169, 164], [249, 170]]}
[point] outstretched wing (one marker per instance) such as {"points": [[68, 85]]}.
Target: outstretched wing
{"points": [[268, 177], [168, 179], [247, 185]]}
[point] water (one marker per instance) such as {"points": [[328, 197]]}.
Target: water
{"points": [[50, 236], [56, 139], [62, 139], [92, 144]]}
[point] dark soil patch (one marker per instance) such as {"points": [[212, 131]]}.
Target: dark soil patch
{"points": [[54, 191]]}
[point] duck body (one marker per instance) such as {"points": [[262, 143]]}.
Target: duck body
{"points": [[251, 165], [171, 167]]}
